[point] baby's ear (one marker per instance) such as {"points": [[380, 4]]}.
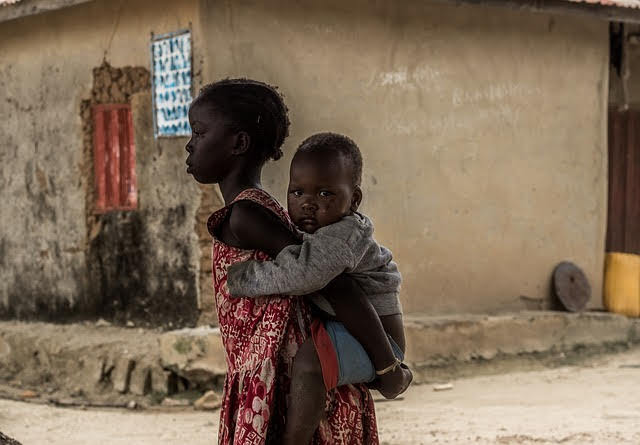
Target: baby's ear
{"points": [[356, 198]]}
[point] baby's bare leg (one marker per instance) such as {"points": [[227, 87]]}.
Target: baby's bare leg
{"points": [[355, 311], [307, 396], [394, 326]]}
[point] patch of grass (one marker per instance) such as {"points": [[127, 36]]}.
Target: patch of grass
{"points": [[182, 345]]}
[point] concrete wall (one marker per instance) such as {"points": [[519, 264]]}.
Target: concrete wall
{"points": [[483, 132], [141, 265]]}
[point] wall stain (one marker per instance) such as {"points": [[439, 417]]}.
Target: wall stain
{"points": [[38, 193], [128, 282]]}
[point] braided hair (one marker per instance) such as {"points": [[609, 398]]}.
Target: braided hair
{"points": [[254, 107], [333, 143]]}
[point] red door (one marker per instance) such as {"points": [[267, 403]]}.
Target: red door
{"points": [[623, 225]]}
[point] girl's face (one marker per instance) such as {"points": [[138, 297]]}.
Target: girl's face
{"points": [[211, 147]]}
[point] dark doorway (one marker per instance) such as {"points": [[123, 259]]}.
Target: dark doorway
{"points": [[623, 225]]}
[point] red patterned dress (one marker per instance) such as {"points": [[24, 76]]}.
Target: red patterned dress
{"points": [[261, 337]]}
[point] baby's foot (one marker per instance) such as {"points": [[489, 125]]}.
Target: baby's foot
{"points": [[394, 383]]}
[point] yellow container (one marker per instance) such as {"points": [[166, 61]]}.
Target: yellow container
{"points": [[622, 283]]}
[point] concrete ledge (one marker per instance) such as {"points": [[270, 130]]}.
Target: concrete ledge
{"points": [[84, 359], [441, 341], [100, 359]]}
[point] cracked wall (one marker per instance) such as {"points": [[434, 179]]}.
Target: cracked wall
{"points": [[60, 261], [42, 254]]}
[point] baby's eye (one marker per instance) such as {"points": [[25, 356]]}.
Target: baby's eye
{"points": [[296, 193], [325, 194]]}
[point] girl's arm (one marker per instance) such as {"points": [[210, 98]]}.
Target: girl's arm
{"points": [[299, 269], [254, 227], [306, 268], [296, 269]]}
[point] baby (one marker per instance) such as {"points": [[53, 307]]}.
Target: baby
{"points": [[323, 198]]}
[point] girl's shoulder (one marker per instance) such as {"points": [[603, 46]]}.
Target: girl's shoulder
{"points": [[246, 200], [263, 199]]}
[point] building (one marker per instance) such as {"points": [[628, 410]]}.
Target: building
{"points": [[483, 125]]}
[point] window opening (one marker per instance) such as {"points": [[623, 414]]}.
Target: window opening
{"points": [[114, 158]]}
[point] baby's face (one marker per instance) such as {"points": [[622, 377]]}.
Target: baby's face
{"points": [[321, 190]]}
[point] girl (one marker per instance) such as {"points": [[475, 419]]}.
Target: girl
{"points": [[237, 125]]}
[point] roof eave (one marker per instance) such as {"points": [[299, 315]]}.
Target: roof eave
{"points": [[32, 7], [602, 11]]}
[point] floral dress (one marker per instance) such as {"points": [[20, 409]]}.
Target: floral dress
{"points": [[261, 337]]}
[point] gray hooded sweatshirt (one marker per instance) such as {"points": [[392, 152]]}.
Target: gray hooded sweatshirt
{"points": [[346, 246]]}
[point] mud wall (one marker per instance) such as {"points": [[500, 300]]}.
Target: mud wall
{"points": [[483, 132], [59, 259]]}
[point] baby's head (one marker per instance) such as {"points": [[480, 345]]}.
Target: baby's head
{"points": [[236, 124], [324, 181]]}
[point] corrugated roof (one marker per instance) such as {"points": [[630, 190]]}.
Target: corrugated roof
{"points": [[617, 3]]}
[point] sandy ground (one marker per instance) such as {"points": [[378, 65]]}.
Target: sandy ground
{"points": [[596, 403]]}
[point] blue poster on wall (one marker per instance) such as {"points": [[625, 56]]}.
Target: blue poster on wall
{"points": [[171, 83]]}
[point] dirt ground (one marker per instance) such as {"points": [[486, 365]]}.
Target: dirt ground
{"points": [[594, 403]]}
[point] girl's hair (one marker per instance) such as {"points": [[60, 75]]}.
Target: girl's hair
{"points": [[336, 144], [254, 107]]}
